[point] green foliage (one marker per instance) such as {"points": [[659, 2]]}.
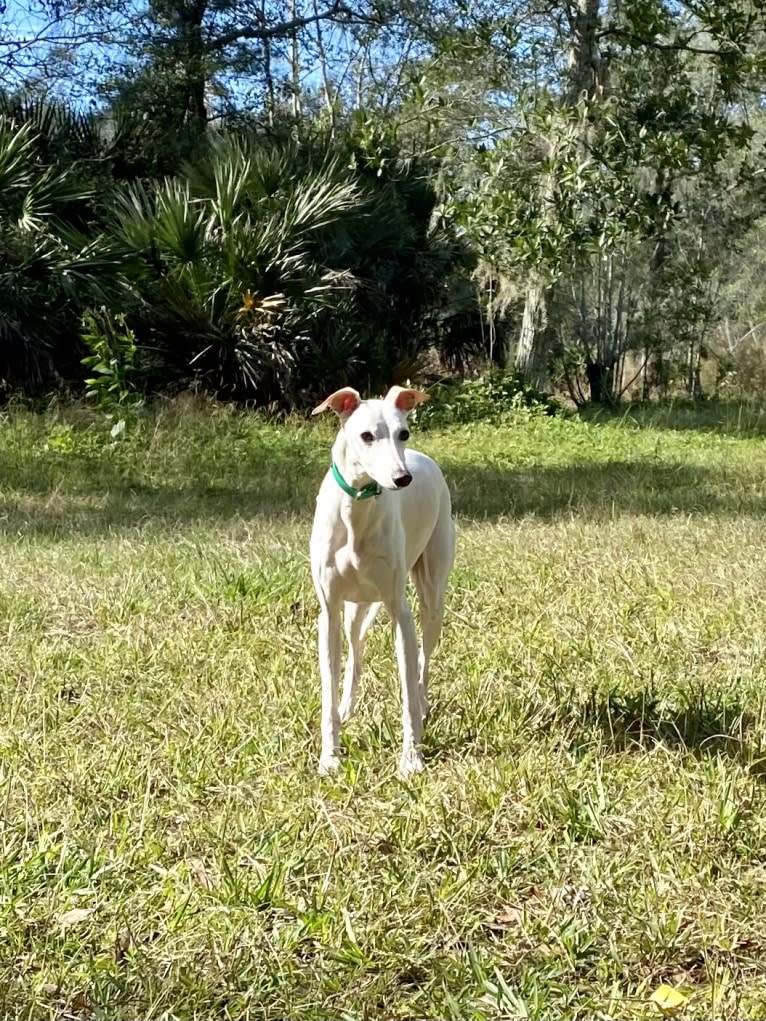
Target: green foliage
{"points": [[272, 270], [226, 267], [43, 258], [581, 173], [493, 398], [416, 293], [265, 270], [112, 361], [277, 238], [62, 136]]}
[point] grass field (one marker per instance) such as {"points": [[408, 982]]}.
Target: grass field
{"points": [[591, 824]]}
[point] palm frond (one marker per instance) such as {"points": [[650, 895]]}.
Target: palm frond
{"points": [[16, 159]]}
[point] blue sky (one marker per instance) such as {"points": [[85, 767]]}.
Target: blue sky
{"points": [[27, 33]]}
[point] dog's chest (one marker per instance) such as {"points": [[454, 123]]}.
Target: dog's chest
{"points": [[363, 565]]}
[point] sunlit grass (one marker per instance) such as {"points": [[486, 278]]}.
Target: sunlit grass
{"points": [[591, 821]]}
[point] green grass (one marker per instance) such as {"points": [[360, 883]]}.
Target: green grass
{"points": [[591, 821]]}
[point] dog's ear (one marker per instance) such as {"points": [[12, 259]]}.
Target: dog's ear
{"points": [[405, 400], [342, 402]]}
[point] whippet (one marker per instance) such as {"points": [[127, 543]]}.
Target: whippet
{"points": [[381, 514]]}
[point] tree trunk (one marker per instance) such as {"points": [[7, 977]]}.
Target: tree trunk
{"points": [[192, 45], [530, 358], [693, 382], [295, 75], [600, 382], [583, 76], [327, 88], [584, 71], [268, 75]]}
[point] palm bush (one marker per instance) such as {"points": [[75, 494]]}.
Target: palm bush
{"points": [[408, 261], [225, 266], [267, 270], [46, 265]]}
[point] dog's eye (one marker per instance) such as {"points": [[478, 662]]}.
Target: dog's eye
{"points": [[404, 435], [367, 437]]}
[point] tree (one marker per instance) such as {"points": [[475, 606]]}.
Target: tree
{"points": [[584, 84], [200, 57], [592, 156]]}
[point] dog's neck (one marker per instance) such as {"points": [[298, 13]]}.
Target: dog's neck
{"points": [[359, 516], [351, 471]]}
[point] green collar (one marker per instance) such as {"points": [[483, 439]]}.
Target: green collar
{"points": [[371, 489]]}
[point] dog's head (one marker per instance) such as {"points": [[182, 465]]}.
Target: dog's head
{"points": [[376, 431]]}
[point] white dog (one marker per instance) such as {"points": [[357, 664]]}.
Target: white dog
{"points": [[381, 514]]}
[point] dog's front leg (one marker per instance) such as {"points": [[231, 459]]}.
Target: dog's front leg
{"points": [[412, 717], [329, 669]]}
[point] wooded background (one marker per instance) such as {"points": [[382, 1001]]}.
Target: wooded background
{"points": [[266, 200]]}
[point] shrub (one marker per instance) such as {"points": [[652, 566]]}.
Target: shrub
{"points": [[112, 361], [490, 398]]}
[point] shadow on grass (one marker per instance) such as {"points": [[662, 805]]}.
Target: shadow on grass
{"points": [[76, 494], [601, 490], [704, 726], [701, 724], [58, 515], [729, 418], [100, 499]]}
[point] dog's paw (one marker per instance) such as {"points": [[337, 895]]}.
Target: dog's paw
{"points": [[328, 765], [411, 762]]}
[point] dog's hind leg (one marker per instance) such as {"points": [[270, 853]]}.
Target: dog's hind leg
{"points": [[357, 618], [430, 575], [406, 644]]}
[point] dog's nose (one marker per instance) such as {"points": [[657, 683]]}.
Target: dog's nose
{"points": [[402, 480]]}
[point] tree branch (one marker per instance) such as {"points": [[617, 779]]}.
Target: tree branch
{"points": [[680, 46], [285, 28]]}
